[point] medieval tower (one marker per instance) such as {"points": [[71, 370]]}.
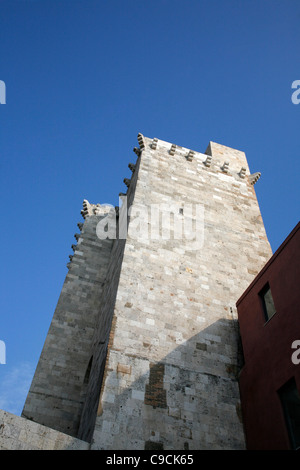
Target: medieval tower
{"points": [[143, 349]]}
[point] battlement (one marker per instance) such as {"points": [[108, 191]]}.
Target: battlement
{"points": [[94, 209], [217, 157]]}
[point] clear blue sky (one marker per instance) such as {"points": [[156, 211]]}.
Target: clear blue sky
{"points": [[82, 79]]}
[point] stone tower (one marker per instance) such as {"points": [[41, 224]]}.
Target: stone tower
{"points": [[143, 349]]}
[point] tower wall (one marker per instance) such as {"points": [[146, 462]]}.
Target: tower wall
{"points": [[104, 328], [58, 389], [143, 349], [170, 380]]}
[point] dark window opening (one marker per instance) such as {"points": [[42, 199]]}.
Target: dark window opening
{"points": [[88, 371], [267, 302], [290, 400]]}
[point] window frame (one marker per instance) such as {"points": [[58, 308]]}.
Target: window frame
{"points": [[262, 294], [290, 384]]}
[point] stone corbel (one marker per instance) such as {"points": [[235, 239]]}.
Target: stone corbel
{"points": [[242, 172], [254, 177], [225, 167], [208, 161], [141, 142], [127, 181], [132, 167], [154, 143], [137, 151], [190, 155], [87, 208], [172, 149]]}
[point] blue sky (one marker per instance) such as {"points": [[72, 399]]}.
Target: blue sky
{"points": [[83, 78]]}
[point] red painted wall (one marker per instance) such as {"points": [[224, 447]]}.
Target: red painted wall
{"points": [[267, 346]]}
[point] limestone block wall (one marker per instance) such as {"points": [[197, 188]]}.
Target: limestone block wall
{"points": [[170, 380], [17, 433], [58, 389], [103, 333]]}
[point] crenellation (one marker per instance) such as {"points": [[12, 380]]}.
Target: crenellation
{"points": [[213, 156]]}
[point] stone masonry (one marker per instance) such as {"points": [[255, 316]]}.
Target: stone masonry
{"points": [[173, 356], [18, 433], [57, 392], [143, 349]]}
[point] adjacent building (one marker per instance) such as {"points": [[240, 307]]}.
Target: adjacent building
{"points": [[269, 319]]}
